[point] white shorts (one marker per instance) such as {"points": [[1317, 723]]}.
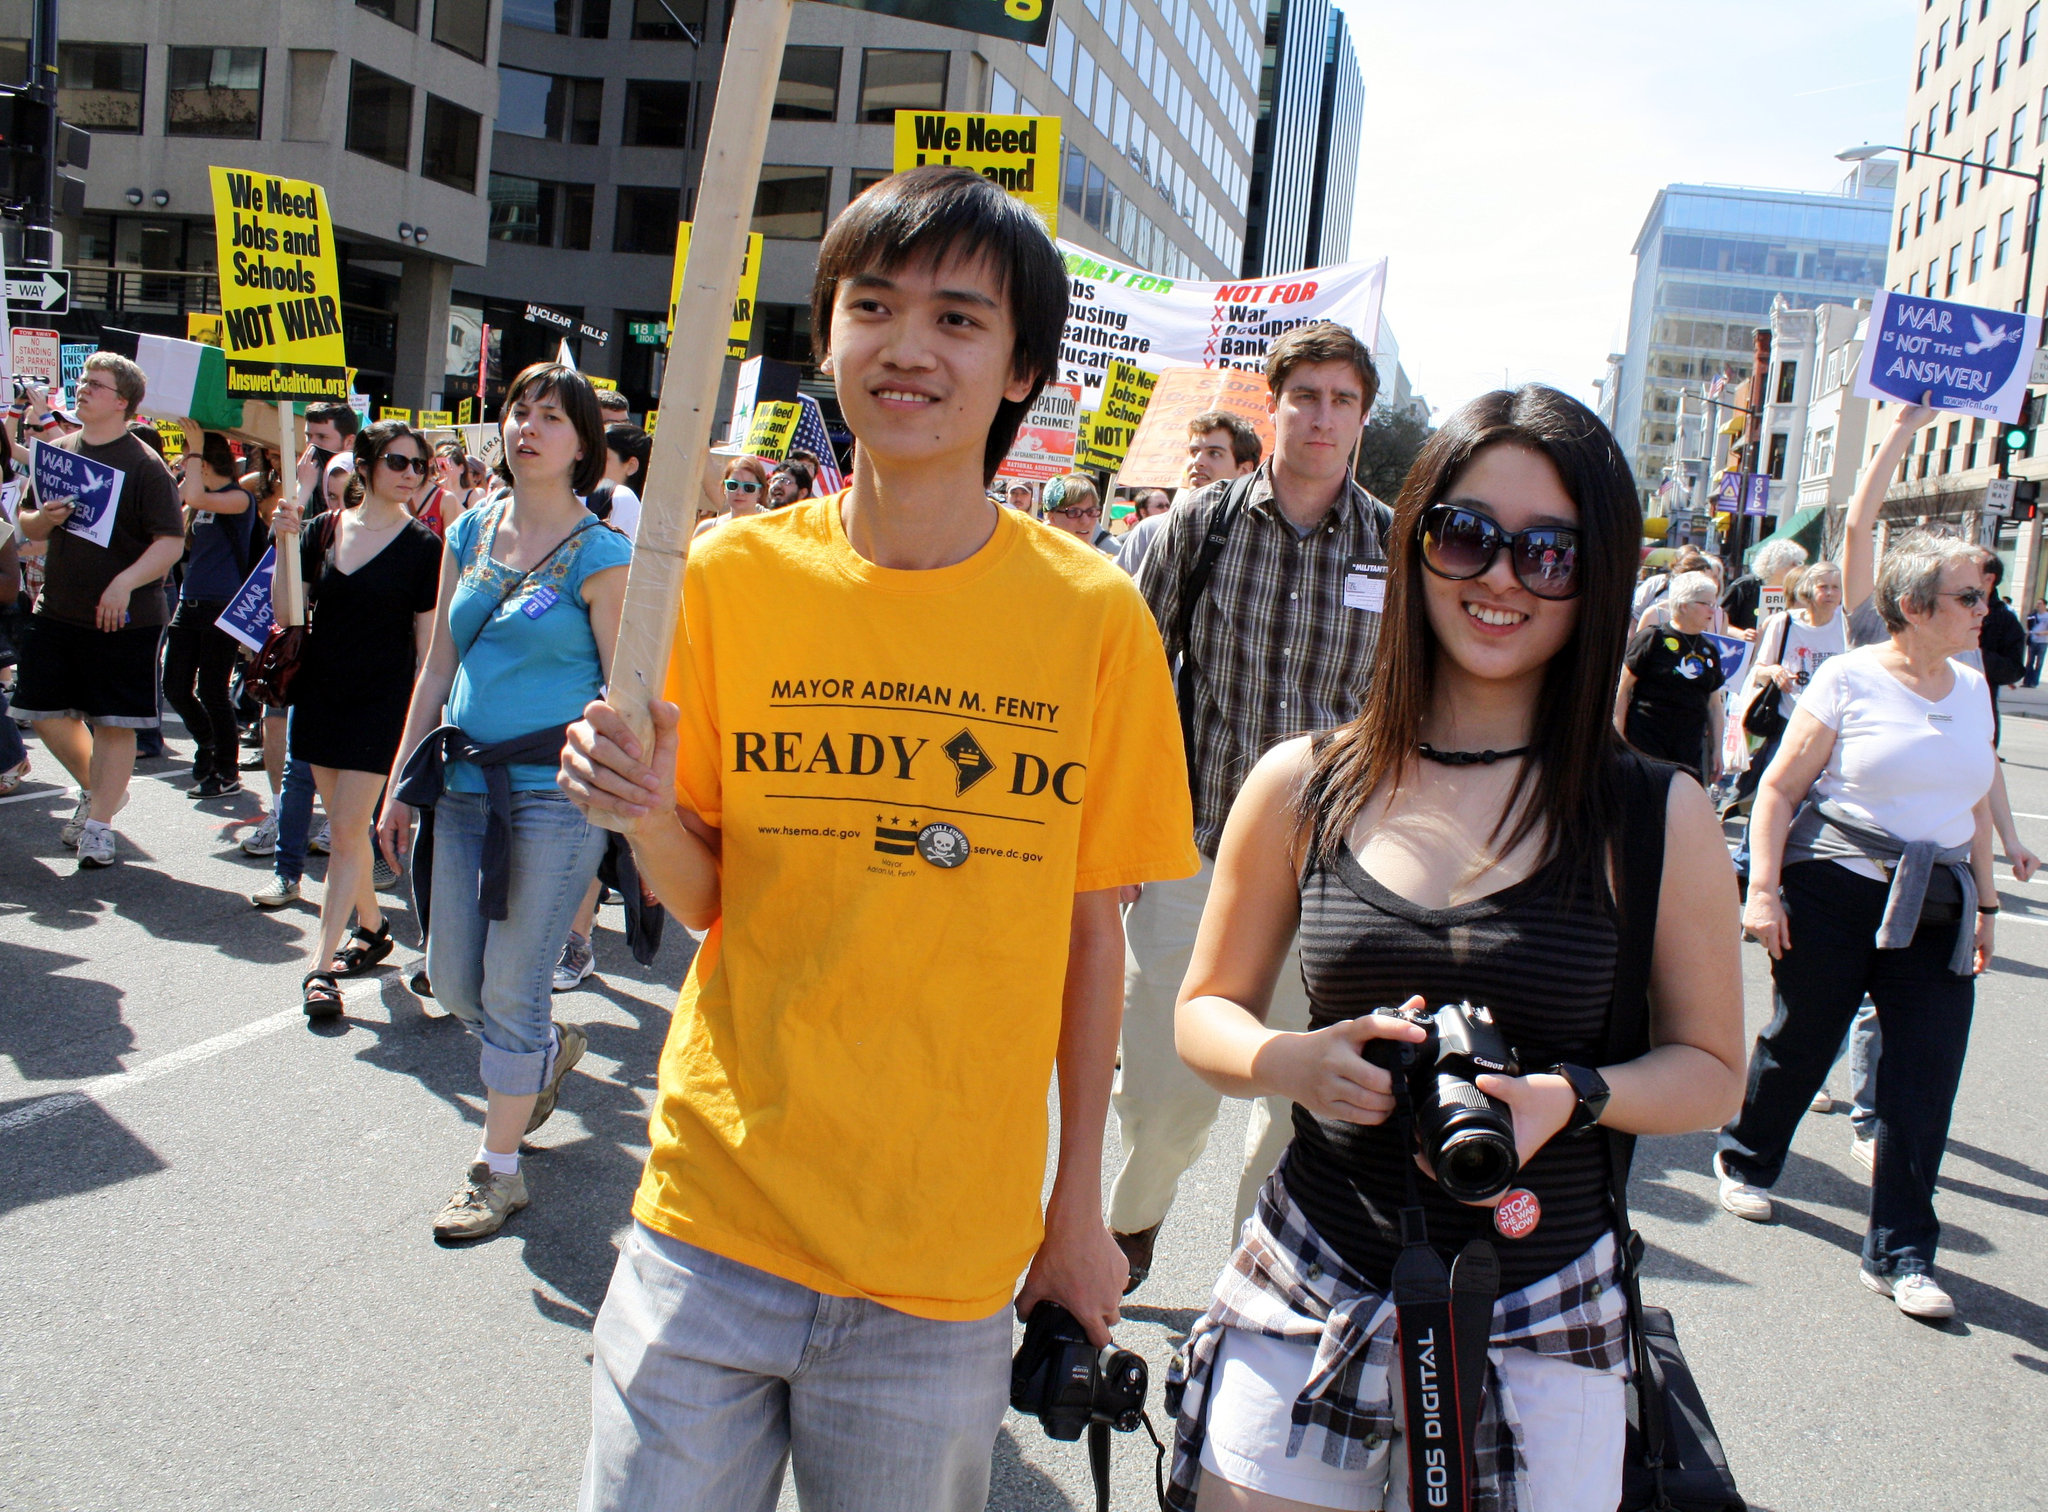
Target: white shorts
{"points": [[1574, 1428]]}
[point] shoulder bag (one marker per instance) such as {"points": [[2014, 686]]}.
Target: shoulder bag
{"points": [[1764, 716], [1673, 1461], [270, 676]]}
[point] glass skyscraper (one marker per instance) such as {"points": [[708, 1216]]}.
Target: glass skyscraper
{"points": [[1709, 261]]}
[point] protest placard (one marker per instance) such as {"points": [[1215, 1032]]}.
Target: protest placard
{"points": [[280, 294], [763, 380], [1106, 432], [1159, 450], [771, 428], [92, 488], [1154, 322], [37, 355], [207, 330], [741, 331], [1026, 21], [10, 500], [1971, 359], [71, 363], [436, 420], [465, 412], [394, 412], [1044, 447], [172, 436], [1019, 152], [247, 617]]}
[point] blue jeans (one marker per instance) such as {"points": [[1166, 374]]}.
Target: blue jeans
{"points": [[2036, 652], [295, 797], [1925, 1009], [1864, 1044], [497, 975], [710, 1377]]}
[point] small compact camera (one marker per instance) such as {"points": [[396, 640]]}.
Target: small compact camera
{"points": [[1467, 1137], [1067, 1383]]}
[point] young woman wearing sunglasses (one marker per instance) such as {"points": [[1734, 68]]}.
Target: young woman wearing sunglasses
{"points": [[372, 573], [1460, 840], [745, 491]]}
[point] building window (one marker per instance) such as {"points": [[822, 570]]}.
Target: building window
{"points": [[597, 18], [1955, 269], [1990, 157], [1091, 204], [1963, 181], [1920, 215], [540, 15], [1941, 45], [553, 106], [99, 86], [655, 22], [1977, 254], [464, 26], [1776, 465], [1788, 382], [1976, 83], [790, 202], [1062, 56], [405, 13], [1920, 77], [786, 333], [1941, 196], [379, 116], [647, 220], [657, 113], [865, 179], [1999, 63], [1905, 219], [215, 92], [448, 149], [1955, 100], [540, 214], [2004, 247], [808, 89], [1002, 94], [893, 79], [2015, 134], [2029, 29]]}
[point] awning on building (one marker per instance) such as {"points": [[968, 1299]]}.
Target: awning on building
{"points": [[1805, 527]]}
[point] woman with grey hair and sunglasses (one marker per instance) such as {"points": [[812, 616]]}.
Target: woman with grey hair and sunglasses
{"points": [[1668, 703], [1871, 873]]}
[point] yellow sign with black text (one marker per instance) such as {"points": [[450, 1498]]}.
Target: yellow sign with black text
{"points": [[1107, 430], [1020, 152], [280, 294], [742, 329], [393, 412], [771, 428], [437, 419]]}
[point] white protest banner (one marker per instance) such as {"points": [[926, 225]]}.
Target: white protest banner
{"points": [[247, 617], [92, 488], [1971, 359], [10, 500], [1115, 310], [1044, 447]]}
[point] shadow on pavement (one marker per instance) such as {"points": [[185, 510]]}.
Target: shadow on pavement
{"points": [[79, 1150], [60, 1028], [1015, 1486]]}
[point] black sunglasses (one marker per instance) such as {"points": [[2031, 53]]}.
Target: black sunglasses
{"points": [[398, 463], [1461, 544]]}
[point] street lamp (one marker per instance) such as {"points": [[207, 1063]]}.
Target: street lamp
{"points": [[1867, 151]]}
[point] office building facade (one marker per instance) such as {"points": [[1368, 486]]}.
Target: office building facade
{"points": [[1340, 131], [1305, 155], [387, 105], [1710, 262]]}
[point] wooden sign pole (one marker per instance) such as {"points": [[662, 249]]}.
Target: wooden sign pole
{"points": [[292, 593], [696, 359]]}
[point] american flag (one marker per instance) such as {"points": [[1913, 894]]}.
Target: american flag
{"points": [[811, 437]]}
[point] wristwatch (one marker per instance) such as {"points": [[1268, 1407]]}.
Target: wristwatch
{"points": [[1593, 1093]]}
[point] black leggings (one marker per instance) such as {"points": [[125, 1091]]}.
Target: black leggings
{"points": [[199, 659]]}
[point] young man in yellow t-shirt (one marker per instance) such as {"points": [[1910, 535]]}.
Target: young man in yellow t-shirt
{"points": [[904, 826]]}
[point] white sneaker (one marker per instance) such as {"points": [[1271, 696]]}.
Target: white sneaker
{"points": [[95, 845], [275, 893], [1742, 1199], [1822, 1102], [82, 816], [262, 840], [1864, 1152], [1918, 1296], [321, 840]]}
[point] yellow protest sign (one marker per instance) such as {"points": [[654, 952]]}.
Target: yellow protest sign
{"points": [[465, 412], [742, 330], [1019, 152], [652, 416], [207, 330], [393, 412], [772, 427], [280, 296], [602, 383], [1106, 433], [172, 435], [437, 420]]}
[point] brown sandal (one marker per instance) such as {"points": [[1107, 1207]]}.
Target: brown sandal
{"points": [[321, 995]]}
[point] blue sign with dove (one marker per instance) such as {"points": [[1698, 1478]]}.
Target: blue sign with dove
{"points": [[1965, 357]]}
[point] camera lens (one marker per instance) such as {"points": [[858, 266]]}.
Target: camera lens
{"points": [[1476, 1165]]}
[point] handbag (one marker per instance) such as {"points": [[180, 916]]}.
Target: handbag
{"points": [[271, 674], [1673, 1461], [1764, 717]]}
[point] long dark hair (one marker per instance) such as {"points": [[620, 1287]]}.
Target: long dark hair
{"points": [[1567, 788], [370, 444]]}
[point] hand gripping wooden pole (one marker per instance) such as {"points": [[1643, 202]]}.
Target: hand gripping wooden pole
{"points": [[696, 360], [291, 594]]}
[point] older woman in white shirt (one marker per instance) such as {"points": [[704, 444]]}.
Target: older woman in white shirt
{"points": [[1871, 872]]}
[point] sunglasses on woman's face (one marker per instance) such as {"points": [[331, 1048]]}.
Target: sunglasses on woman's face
{"points": [[1461, 544], [739, 485], [1969, 598], [398, 463]]}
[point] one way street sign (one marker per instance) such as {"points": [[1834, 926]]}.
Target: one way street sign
{"points": [[48, 292]]}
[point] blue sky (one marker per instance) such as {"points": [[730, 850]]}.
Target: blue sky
{"points": [[1511, 152]]}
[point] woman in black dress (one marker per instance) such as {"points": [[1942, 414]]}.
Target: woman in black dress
{"points": [[1667, 700], [372, 573]]}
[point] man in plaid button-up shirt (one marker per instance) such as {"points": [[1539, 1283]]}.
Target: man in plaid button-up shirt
{"points": [[1282, 642]]}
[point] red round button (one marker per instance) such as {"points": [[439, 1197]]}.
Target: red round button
{"points": [[1518, 1214]]}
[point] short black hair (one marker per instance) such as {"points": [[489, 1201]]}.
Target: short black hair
{"points": [[571, 390], [371, 442], [342, 417], [1244, 440], [629, 443], [927, 214], [613, 399]]}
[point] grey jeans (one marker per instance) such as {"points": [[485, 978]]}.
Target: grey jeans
{"points": [[708, 1377]]}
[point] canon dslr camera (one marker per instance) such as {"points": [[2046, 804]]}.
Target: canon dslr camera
{"points": [[1467, 1137], [1067, 1383]]}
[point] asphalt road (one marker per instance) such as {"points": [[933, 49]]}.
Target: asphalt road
{"points": [[218, 1288]]}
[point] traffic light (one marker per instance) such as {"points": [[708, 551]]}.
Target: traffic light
{"points": [[2026, 499], [2016, 438], [26, 125]]}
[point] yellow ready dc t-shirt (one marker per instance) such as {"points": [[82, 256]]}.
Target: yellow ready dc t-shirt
{"points": [[913, 773]]}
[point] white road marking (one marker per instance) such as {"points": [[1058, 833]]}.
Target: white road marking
{"points": [[41, 792], [104, 1087]]}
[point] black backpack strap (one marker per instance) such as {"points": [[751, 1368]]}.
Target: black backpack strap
{"points": [[1645, 791], [1193, 586]]}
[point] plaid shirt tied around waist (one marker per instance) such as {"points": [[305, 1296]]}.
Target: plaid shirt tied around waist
{"points": [[1283, 640], [1284, 1282]]}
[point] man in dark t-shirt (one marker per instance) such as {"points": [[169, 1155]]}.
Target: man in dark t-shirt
{"points": [[88, 663]]}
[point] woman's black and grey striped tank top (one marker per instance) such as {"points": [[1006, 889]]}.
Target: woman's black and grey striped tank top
{"points": [[1541, 954]]}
